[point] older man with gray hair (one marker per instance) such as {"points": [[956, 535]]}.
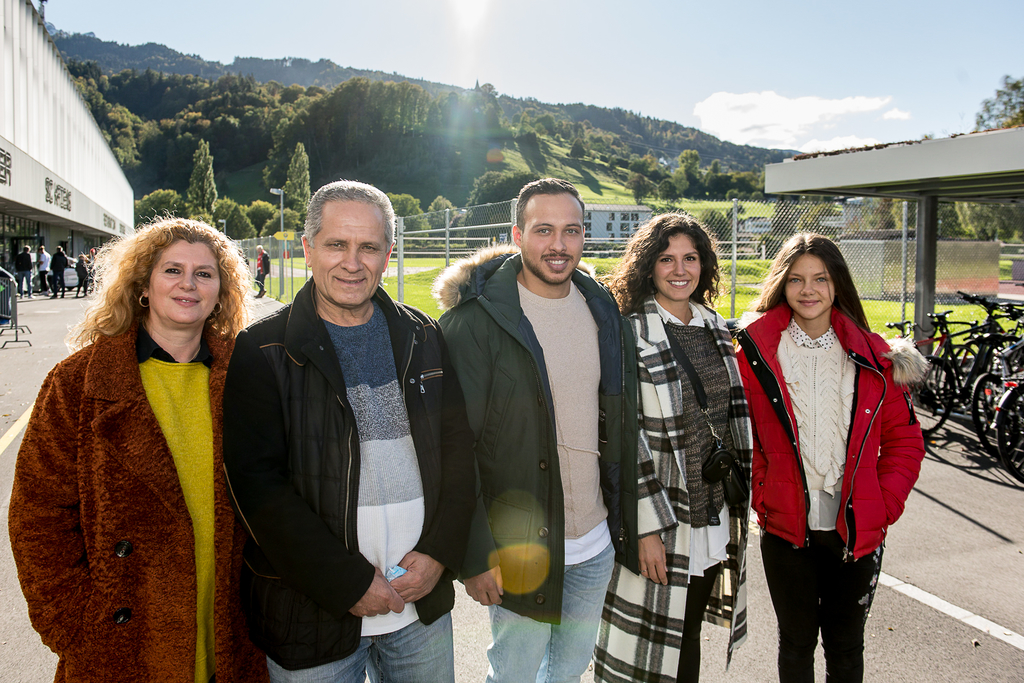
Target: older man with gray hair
{"points": [[350, 461]]}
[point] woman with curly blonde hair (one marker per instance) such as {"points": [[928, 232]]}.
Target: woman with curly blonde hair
{"points": [[127, 548]]}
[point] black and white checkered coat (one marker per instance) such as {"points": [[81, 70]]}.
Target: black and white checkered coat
{"points": [[642, 624]]}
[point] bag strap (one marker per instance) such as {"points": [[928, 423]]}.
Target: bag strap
{"points": [[698, 386]]}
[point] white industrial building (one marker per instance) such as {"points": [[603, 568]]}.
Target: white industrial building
{"points": [[60, 185], [614, 220]]}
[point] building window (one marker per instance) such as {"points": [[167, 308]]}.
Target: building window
{"points": [[587, 216], [611, 216], [609, 228], [634, 217], [624, 227]]}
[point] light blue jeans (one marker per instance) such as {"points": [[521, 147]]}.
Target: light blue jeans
{"points": [[414, 654], [525, 650]]}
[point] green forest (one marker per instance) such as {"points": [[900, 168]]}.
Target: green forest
{"points": [[432, 145]]}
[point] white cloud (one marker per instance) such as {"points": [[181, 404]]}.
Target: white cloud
{"points": [[896, 114], [769, 119], [843, 142]]}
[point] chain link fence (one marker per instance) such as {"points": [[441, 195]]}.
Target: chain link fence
{"points": [[877, 237], [288, 270]]}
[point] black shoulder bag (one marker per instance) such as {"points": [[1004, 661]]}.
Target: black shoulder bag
{"points": [[722, 464]]}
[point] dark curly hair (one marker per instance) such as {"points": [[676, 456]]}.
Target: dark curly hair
{"points": [[631, 282]]}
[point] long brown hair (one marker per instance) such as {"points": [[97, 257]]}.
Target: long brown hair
{"points": [[631, 282], [124, 266], [844, 297]]}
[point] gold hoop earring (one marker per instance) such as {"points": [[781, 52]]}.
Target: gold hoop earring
{"points": [[144, 301]]}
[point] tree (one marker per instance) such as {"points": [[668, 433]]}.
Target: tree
{"points": [[237, 225], [495, 186], [296, 189], [291, 222], [641, 187], [1005, 109], [578, 151], [259, 213], [717, 223], [991, 221], [202, 190], [668, 191], [688, 177], [405, 204], [158, 203], [440, 204]]}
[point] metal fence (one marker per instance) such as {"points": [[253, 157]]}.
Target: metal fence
{"points": [[288, 270], [877, 237]]}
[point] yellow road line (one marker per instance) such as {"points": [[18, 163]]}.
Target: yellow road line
{"points": [[13, 432]]}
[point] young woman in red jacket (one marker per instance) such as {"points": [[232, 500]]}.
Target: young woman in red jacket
{"points": [[837, 449]]}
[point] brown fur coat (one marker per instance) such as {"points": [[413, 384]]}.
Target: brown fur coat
{"points": [[93, 472]]}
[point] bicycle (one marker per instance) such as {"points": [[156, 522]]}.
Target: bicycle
{"points": [[990, 386]]}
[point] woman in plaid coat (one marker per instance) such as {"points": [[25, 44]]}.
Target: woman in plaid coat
{"points": [[692, 543]]}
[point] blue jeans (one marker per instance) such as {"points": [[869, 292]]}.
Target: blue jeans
{"points": [[24, 278], [413, 654], [526, 650]]}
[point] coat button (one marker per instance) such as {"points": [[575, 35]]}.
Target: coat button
{"points": [[412, 380], [775, 400], [867, 410], [543, 532], [123, 548], [543, 464], [754, 363], [122, 615], [540, 599]]}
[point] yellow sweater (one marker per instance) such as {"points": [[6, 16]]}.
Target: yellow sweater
{"points": [[179, 394]]}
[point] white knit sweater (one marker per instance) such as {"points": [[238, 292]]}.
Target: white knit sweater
{"points": [[821, 386]]}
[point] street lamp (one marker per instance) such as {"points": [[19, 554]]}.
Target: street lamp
{"points": [[280, 280]]}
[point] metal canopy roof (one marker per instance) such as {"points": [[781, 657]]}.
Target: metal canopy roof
{"points": [[979, 167]]}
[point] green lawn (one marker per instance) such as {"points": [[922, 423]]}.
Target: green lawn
{"points": [[245, 185]]}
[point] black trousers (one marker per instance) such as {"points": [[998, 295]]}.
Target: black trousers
{"points": [[697, 595], [812, 588]]}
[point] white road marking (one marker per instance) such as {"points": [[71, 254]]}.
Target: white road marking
{"points": [[15, 429], [937, 603], [969, 618]]}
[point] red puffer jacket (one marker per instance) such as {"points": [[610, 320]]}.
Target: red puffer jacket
{"points": [[884, 445]]}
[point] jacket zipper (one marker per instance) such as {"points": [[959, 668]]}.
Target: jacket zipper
{"points": [[348, 481], [847, 552], [796, 450]]}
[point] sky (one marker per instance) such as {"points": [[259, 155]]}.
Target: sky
{"points": [[810, 76]]}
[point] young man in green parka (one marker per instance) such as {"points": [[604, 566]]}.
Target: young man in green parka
{"points": [[549, 373]]}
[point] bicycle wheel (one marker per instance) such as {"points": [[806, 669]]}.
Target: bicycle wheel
{"points": [[934, 397], [1010, 432], [984, 399]]}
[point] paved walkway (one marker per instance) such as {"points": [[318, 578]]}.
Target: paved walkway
{"points": [[961, 542]]}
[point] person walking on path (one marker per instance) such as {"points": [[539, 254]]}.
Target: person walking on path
{"points": [[127, 549], [262, 270], [350, 461], [837, 449], [58, 265], [692, 541], [547, 366], [23, 272], [43, 264], [82, 271]]}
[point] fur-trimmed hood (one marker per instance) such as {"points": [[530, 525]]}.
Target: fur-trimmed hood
{"points": [[909, 367], [454, 281]]}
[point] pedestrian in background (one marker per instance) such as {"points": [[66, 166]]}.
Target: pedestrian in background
{"points": [[262, 269], [58, 265], [23, 272], [82, 271], [837, 449], [43, 265], [127, 548], [692, 542]]}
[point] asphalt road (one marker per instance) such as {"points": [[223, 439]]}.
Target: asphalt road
{"points": [[961, 540]]}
